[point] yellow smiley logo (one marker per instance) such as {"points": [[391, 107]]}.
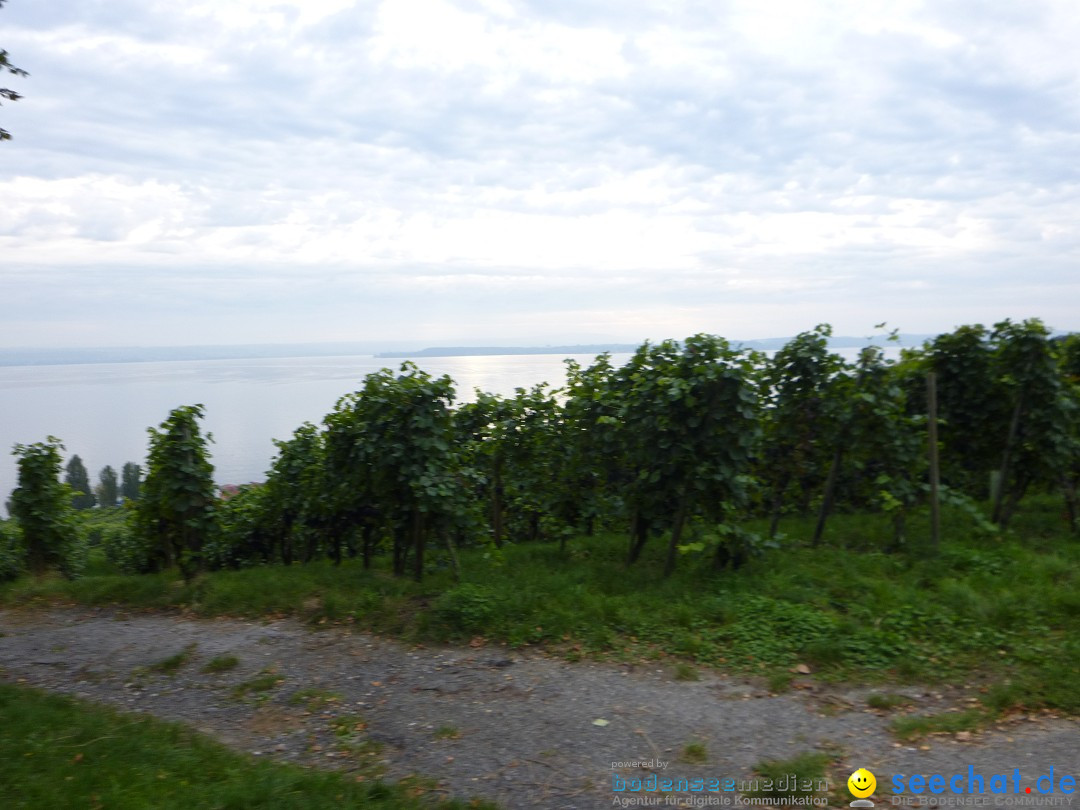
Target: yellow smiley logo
{"points": [[861, 783]]}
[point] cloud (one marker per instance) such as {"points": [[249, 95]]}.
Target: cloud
{"points": [[345, 169]]}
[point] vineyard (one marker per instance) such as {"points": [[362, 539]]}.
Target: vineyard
{"points": [[699, 472]]}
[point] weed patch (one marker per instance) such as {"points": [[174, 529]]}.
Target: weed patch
{"points": [[800, 777], [686, 672], [694, 753], [221, 663], [172, 664], [916, 727], [314, 698], [888, 702], [266, 680]]}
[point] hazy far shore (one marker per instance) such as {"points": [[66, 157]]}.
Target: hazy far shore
{"points": [[381, 349]]}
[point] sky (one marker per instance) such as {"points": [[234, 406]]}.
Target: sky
{"points": [[535, 171]]}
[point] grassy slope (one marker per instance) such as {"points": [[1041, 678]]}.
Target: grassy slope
{"points": [[979, 607], [60, 753]]}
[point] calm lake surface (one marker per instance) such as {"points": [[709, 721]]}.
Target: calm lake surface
{"points": [[101, 411]]}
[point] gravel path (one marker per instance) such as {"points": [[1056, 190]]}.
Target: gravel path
{"points": [[522, 729]]}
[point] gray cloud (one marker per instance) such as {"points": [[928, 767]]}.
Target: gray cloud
{"points": [[331, 170]]}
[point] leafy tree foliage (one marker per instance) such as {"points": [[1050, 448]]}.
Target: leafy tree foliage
{"points": [[686, 428], [130, 481], [517, 446], [1068, 350], [5, 93], [299, 497], [972, 406], [484, 427], [130, 551], [42, 507], [78, 479], [175, 513], [12, 557], [1069, 354], [886, 464], [800, 419], [591, 467], [107, 490], [242, 538], [1040, 445], [391, 447], [537, 462]]}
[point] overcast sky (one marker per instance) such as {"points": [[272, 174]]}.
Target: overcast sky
{"points": [[454, 171]]}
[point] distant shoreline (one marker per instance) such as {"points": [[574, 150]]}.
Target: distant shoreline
{"points": [[382, 350], [494, 351], [764, 344]]}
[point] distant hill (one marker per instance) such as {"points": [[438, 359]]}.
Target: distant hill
{"points": [[481, 351], [381, 349], [763, 344]]}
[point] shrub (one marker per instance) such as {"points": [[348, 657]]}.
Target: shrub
{"points": [[42, 507], [11, 555], [130, 552], [467, 607]]}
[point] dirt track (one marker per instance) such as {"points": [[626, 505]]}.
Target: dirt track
{"points": [[515, 727]]}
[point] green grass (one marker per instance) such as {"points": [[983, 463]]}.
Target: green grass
{"points": [[1004, 612], [780, 681], [59, 753], [796, 777], [695, 753], [914, 727], [313, 698], [266, 680], [350, 731], [447, 733], [686, 672], [888, 702], [221, 663], [172, 664]]}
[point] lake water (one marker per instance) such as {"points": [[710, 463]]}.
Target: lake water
{"points": [[101, 411]]}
